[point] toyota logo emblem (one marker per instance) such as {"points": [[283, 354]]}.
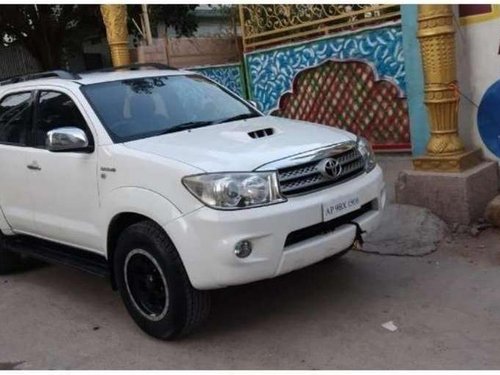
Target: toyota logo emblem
{"points": [[330, 168]]}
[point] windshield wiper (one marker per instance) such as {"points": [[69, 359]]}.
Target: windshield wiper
{"points": [[186, 126], [199, 124], [239, 117]]}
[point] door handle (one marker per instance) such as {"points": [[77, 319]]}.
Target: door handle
{"points": [[34, 166]]}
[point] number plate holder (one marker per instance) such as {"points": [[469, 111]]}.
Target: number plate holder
{"points": [[340, 206]]}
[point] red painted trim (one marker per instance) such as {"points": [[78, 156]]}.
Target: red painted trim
{"points": [[393, 147], [466, 10]]}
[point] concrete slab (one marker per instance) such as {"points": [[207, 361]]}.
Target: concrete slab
{"points": [[392, 165], [454, 197], [327, 316], [406, 231]]}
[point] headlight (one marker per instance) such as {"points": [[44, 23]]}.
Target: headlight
{"points": [[366, 151], [232, 191]]}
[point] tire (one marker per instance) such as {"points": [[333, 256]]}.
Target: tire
{"points": [[154, 284], [9, 261]]}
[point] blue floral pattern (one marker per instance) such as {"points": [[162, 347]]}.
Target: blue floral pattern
{"points": [[228, 76], [271, 72]]}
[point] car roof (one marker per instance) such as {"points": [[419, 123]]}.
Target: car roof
{"points": [[89, 78], [117, 75]]}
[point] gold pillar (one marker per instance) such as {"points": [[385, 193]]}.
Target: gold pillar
{"points": [[115, 20], [445, 150]]}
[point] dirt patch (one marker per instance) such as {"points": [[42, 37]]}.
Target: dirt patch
{"points": [[406, 231], [482, 249]]}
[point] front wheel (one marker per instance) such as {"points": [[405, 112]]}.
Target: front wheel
{"points": [[154, 285]]}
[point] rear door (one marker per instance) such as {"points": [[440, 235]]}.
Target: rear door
{"points": [[16, 111]]}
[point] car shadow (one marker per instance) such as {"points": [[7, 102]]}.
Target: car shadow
{"points": [[305, 291], [302, 294]]}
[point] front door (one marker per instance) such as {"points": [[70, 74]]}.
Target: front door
{"points": [[64, 185], [15, 191]]}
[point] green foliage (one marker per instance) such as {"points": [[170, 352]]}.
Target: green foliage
{"points": [[49, 31], [179, 16], [52, 32]]}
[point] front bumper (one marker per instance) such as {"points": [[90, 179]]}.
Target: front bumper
{"points": [[206, 237]]}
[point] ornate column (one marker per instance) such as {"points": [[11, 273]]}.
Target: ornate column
{"points": [[115, 20], [445, 150]]}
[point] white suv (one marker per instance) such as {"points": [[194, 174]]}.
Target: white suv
{"points": [[171, 185]]}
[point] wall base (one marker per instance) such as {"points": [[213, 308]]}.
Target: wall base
{"points": [[456, 197], [492, 213], [455, 163]]}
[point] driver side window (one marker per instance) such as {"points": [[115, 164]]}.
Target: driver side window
{"points": [[56, 110], [15, 118]]}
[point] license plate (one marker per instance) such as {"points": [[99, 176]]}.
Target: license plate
{"points": [[340, 206]]}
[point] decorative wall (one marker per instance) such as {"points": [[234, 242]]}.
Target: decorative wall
{"points": [[229, 76], [347, 95], [294, 80], [264, 25], [272, 71]]}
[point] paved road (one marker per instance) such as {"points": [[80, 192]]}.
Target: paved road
{"points": [[446, 306], [328, 316]]}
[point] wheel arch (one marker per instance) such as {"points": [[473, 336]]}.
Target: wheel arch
{"points": [[117, 225], [4, 225], [128, 205]]}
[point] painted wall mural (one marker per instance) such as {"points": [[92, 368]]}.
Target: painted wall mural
{"points": [[347, 95], [229, 76], [271, 72], [363, 67]]}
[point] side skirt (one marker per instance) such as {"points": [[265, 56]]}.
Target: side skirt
{"points": [[55, 253]]}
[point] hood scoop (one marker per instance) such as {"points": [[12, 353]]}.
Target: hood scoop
{"points": [[261, 133]]}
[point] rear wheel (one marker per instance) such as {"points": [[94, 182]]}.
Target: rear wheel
{"points": [[154, 285], [9, 261]]}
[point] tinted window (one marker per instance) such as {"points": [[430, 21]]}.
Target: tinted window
{"points": [[15, 118], [138, 108], [56, 110]]}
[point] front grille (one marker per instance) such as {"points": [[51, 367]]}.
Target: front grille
{"points": [[307, 177], [326, 226]]}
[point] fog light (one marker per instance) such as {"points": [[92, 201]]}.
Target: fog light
{"points": [[243, 249]]}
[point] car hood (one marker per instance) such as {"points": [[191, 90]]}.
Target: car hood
{"points": [[230, 146]]}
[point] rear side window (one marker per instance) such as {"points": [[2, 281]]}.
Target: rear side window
{"points": [[56, 110], [15, 118]]}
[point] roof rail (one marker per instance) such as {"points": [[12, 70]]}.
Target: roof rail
{"points": [[63, 74], [136, 66]]}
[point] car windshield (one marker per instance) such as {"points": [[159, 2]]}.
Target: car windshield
{"points": [[145, 107]]}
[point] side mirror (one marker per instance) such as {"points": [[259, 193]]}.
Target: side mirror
{"points": [[66, 139]]}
